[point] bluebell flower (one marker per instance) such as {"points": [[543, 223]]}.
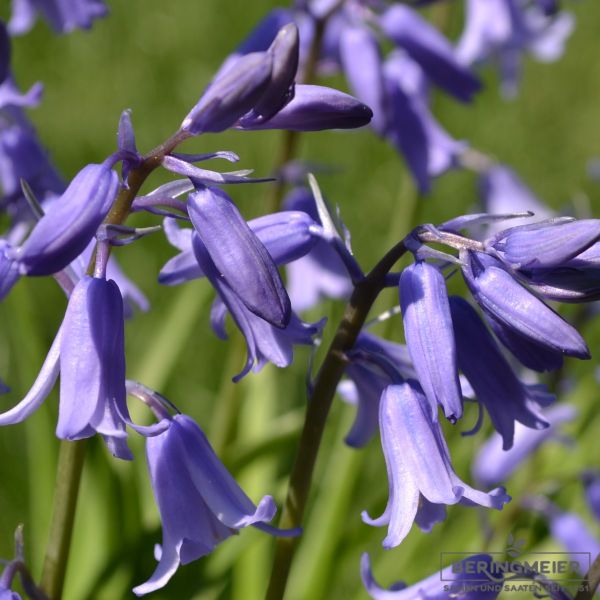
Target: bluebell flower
{"points": [[428, 150], [545, 244], [573, 533], [373, 364], [70, 222], [502, 30], [362, 62], [63, 15], [418, 463], [264, 342], [494, 382], [239, 256], [494, 465], [473, 578], [89, 353], [320, 273], [428, 329], [530, 329], [431, 50], [200, 503]]}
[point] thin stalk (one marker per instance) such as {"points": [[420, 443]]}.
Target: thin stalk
{"points": [[72, 454], [317, 411], [591, 582]]}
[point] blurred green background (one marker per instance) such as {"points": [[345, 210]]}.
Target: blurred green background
{"points": [[155, 57]]}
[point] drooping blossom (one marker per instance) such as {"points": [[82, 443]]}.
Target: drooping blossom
{"points": [[89, 354], [418, 463], [428, 328], [200, 503]]}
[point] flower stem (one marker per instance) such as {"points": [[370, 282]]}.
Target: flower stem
{"points": [[317, 411], [72, 454], [68, 476]]}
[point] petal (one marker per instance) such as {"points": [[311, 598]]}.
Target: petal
{"points": [[361, 60], [40, 389], [431, 50], [239, 255], [541, 246], [218, 488], [492, 378], [428, 327], [509, 303]]}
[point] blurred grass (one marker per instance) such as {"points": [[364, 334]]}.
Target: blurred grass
{"points": [[155, 58]]}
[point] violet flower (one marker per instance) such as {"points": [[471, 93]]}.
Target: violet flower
{"points": [[428, 150], [571, 532], [418, 462], [495, 465], [264, 342], [63, 15], [70, 223], [496, 385], [239, 256], [530, 329], [430, 49], [199, 501], [503, 192], [89, 353], [473, 578], [428, 328], [503, 30]]}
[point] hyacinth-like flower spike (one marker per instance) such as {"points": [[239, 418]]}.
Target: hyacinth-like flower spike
{"points": [[418, 462], [71, 221], [89, 352], [494, 465], [497, 387], [428, 328], [200, 503], [428, 47], [545, 244], [239, 256], [521, 320], [63, 15], [469, 579]]}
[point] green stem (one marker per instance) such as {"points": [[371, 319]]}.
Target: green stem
{"points": [[68, 476], [72, 454], [317, 411]]}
